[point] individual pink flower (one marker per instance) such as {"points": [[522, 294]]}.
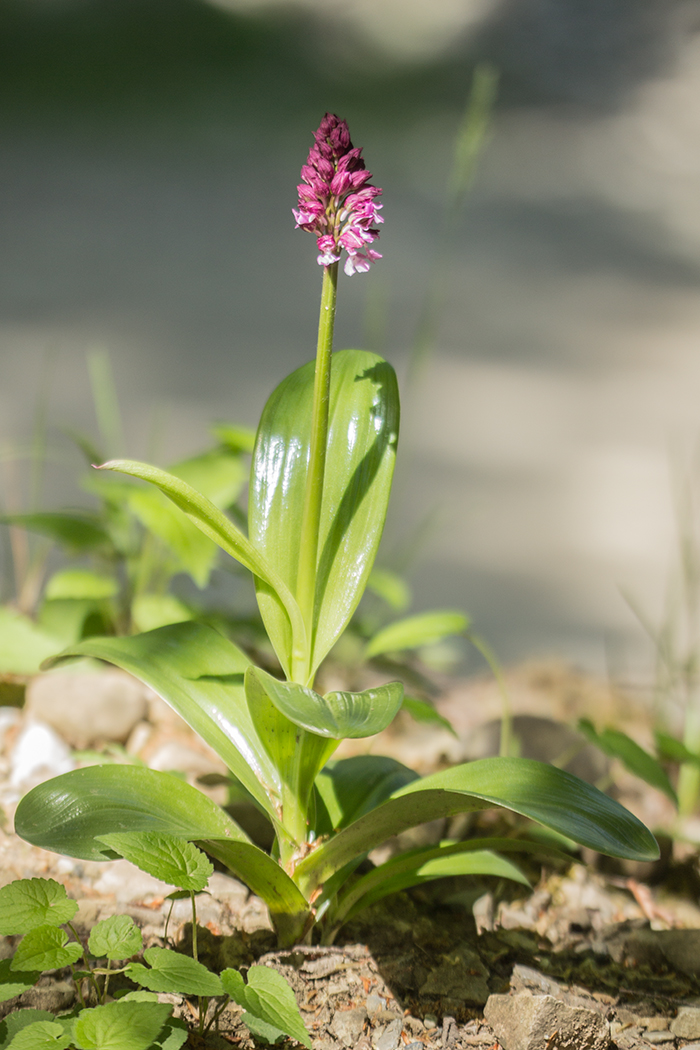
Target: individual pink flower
{"points": [[336, 200]]}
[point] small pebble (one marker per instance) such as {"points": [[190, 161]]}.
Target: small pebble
{"points": [[417, 1046], [660, 1037], [430, 1021]]}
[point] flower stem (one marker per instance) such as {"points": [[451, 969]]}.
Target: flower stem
{"points": [[308, 552]]}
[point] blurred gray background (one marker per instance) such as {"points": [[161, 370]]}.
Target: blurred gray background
{"points": [[149, 155]]}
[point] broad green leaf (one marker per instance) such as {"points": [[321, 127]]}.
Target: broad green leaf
{"points": [[41, 1035], [434, 862], [297, 755], [533, 789], [68, 813], [195, 552], [337, 715], [422, 711], [28, 903], [200, 674], [268, 997], [81, 583], [362, 436], [117, 937], [214, 524], [349, 787], [217, 474], [17, 1020], [120, 1026], [163, 856], [45, 948], [415, 631], [675, 750], [150, 611], [23, 645], [390, 587], [15, 982], [169, 971], [77, 532], [638, 761]]}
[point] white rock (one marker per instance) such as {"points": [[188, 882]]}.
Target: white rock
{"points": [[38, 754]]}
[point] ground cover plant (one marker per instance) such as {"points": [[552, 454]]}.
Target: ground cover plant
{"points": [[40, 911], [320, 481]]}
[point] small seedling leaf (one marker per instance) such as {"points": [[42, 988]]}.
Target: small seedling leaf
{"points": [[168, 971], [422, 711], [638, 761], [415, 631], [337, 715], [267, 998], [120, 1026], [45, 948], [41, 1035], [28, 903], [18, 1020], [117, 937], [13, 983], [173, 860], [675, 750]]}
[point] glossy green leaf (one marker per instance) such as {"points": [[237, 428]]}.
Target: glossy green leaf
{"points": [[214, 524], [638, 761], [77, 532], [349, 787], [337, 715], [45, 948], [17, 1020], [28, 903], [169, 971], [200, 674], [172, 860], [470, 857], [297, 755], [14, 982], [362, 437], [68, 813], [422, 711], [117, 937], [218, 474], [120, 1026], [41, 1035], [268, 998], [541, 792], [415, 631], [476, 862], [23, 645]]}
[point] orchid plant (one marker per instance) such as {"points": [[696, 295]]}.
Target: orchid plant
{"points": [[320, 481]]}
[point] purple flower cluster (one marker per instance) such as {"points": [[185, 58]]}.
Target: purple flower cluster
{"points": [[336, 201]]}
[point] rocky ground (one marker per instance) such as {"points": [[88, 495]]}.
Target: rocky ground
{"points": [[593, 957]]}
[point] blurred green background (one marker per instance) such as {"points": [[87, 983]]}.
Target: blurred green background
{"points": [[150, 152]]}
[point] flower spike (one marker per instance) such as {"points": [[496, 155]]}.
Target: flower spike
{"points": [[336, 200]]}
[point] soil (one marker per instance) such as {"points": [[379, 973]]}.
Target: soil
{"points": [[593, 956]]}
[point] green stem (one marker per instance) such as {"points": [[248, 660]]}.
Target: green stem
{"points": [[313, 497]]}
